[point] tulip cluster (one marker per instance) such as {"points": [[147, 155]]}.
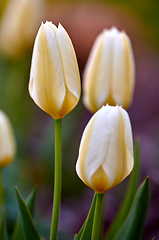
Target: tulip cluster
{"points": [[106, 149]]}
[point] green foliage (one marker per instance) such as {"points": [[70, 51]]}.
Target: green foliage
{"points": [[133, 226], [3, 234], [126, 205], [75, 237], [86, 230], [30, 202], [29, 229]]}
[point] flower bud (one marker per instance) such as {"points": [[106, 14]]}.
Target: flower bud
{"points": [[19, 25], [54, 79], [106, 149], [7, 141], [109, 72]]}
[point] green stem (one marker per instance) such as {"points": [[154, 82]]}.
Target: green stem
{"points": [[57, 180], [1, 191], [97, 216]]}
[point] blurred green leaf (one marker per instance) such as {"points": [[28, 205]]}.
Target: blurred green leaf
{"points": [[29, 229], [3, 234], [30, 202], [86, 230], [75, 237], [133, 226], [126, 205], [2, 204]]}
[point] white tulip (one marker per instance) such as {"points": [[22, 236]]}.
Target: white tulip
{"points": [[7, 141], [54, 79], [106, 149], [19, 24], [109, 73]]}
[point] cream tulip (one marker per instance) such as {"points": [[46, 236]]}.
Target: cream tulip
{"points": [[109, 74], [54, 79], [19, 24], [7, 141], [106, 149]]}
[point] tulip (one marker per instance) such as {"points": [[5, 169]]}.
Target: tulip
{"points": [[106, 149], [109, 72], [7, 141], [54, 79], [19, 25]]}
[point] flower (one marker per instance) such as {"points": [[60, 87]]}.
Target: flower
{"points": [[54, 79], [7, 141], [106, 149], [109, 73], [19, 25]]}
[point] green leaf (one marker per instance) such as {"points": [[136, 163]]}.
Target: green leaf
{"points": [[133, 226], [30, 202], [86, 230], [75, 237], [126, 205], [3, 234], [29, 229]]}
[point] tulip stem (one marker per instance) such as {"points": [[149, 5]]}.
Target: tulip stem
{"points": [[97, 216], [57, 180]]}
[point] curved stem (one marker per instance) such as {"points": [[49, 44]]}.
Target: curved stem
{"points": [[97, 216], [57, 180]]}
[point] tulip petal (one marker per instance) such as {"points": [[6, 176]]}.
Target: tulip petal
{"points": [[83, 151], [119, 160], [91, 76], [100, 180], [128, 142], [123, 70], [69, 103], [69, 62]]}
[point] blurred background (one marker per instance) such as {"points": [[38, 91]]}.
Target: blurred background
{"points": [[34, 129]]}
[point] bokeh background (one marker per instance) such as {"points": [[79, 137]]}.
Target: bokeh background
{"points": [[34, 129]]}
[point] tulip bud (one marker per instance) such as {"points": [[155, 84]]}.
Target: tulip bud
{"points": [[109, 72], [106, 149], [7, 141], [54, 79], [19, 25]]}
